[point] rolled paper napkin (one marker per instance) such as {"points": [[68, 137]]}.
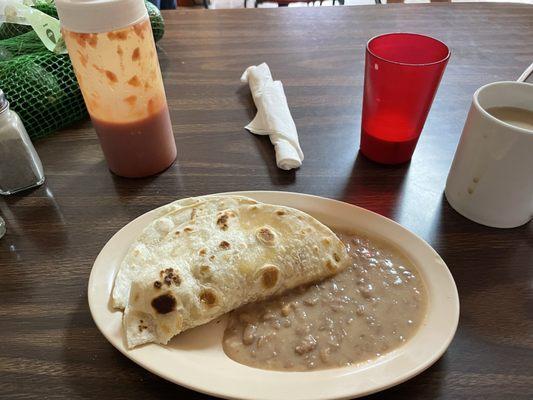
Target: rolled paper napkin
{"points": [[273, 117]]}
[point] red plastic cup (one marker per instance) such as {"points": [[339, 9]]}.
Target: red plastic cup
{"points": [[402, 74]]}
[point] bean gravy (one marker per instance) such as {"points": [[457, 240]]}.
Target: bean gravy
{"points": [[369, 309]]}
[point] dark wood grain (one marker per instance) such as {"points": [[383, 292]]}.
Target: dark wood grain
{"points": [[49, 345]]}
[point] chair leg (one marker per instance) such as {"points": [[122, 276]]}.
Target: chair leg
{"points": [[206, 5]]}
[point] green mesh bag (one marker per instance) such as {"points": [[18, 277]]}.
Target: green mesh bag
{"points": [[8, 30], [156, 20], [40, 85], [25, 44]]}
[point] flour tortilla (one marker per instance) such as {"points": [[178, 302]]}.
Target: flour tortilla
{"points": [[237, 251], [143, 252]]}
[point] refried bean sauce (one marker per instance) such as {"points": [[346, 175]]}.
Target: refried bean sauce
{"points": [[121, 83], [369, 309]]}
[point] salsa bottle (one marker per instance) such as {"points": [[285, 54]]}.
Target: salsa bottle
{"points": [[112, 49]]}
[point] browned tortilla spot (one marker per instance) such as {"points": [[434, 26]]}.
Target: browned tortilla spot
{"points": [[224, 245], [202, 252], [280, 212], [203, 272], [169, 276], [269, 276], [212, 257], [187, 229], [266, 236], [157, 285], [336, 257], [208, 297], [164, 303], [326, 241], [222, 220], [330, 266]]}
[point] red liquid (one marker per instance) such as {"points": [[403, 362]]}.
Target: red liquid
{"points": [[140, 148], [390, 137], [386, 151]]}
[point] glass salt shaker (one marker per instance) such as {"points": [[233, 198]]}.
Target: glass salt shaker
{"points": [[20, 166], [2, 227]]}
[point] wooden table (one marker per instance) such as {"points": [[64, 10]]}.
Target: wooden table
{"points": [[49, 345]]}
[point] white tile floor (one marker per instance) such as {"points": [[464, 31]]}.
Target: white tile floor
{"points": [[250, 3]]}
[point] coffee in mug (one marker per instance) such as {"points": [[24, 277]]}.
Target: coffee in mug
{"points": [[519, 117]]}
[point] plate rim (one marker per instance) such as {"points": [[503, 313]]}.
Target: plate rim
{"points": [[406, 375]]}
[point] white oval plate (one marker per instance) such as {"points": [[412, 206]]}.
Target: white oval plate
{"points": [[195, 358]]}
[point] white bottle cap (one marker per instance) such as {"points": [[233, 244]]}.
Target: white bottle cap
{"points": [[96, 16]]}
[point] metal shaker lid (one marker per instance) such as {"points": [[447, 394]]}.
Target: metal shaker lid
{"points": [[4, 104]]}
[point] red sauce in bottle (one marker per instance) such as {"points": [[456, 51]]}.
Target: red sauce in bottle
{"points": [[139, 148]]}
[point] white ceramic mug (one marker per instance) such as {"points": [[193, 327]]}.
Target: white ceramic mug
{"points": [[491, 178]]}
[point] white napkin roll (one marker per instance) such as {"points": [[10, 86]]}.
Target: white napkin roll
{"points": [[273, 117]]}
